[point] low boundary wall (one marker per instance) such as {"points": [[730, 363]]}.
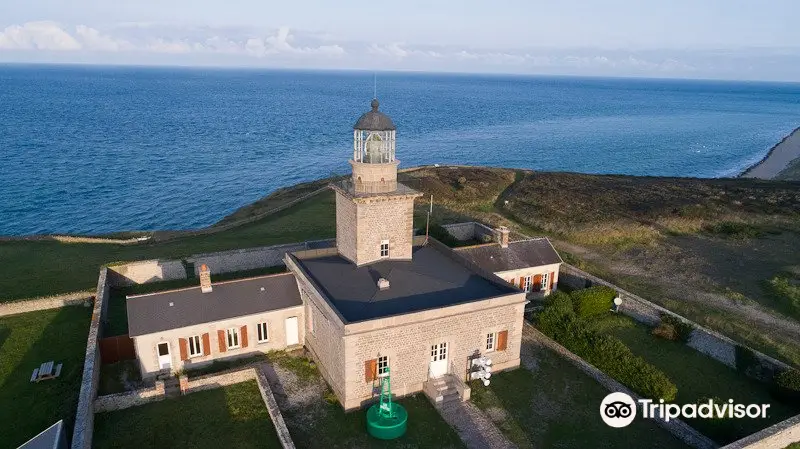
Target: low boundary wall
{"points": [[468, 230], [84, 416], [778, 436], [46, 303], [704, 340], [678, 428], [129, 399]]}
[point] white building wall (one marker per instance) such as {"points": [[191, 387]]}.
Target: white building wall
{"points": [[147, 355], [513, 276]]}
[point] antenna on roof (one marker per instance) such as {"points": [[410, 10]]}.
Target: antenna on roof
{"points": [[428, 223]]}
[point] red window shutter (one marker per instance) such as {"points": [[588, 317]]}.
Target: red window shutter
{"points": [[522, 282], [502, 340], [551, 279], [206, 344], [243, 336], [537, 281], [370, 368], [182, 344], [221, 340]]}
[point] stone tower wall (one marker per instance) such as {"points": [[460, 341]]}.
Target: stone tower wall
{"points": [[384, 218]]}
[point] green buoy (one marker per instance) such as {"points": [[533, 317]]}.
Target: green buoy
{"points": [[386, 420]]}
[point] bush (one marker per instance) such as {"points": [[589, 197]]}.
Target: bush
{"points": [[593, 300], [787, 384], [439, 233], [665, 331], [683, 330], [607, 353]]}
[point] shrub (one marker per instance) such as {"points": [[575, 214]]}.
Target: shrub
{"points": [[607, 353], [439, 233], [593, 300], [787, 384], [665, 331], [746, 360], [683, 330]]}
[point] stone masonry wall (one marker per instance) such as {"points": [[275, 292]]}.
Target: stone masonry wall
{"points": [[129, 399], [704, 340], [468, 231], [145, 271], [408, 348], [50, 302], [325, 341], [84, 414], [384, 218], [346, 236], [779, 436]]}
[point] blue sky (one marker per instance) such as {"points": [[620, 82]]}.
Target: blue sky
{"points": [[733, 39]]}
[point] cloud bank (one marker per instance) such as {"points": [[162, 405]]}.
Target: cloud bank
{"points": [[152, 43]]}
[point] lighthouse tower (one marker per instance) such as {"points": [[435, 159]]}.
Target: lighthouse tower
{"points": [[374, 213]]}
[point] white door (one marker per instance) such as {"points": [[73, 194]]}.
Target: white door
{"points": [[164, 360], [292, 335], [438, 366]]}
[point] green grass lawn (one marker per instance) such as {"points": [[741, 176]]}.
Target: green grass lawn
{"points": [[47, 267], [26, 341], [337, 429], [698, 376], [229, 417], [555, 405]]}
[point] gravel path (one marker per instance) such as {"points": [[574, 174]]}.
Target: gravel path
{"points": [[476, 430]]}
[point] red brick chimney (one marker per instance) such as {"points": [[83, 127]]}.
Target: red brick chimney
{"points": [[205, 279]]}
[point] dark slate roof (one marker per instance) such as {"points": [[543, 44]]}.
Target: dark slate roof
{"points": [[375, 120], [152, 313], [520, 254], [435, 277]]}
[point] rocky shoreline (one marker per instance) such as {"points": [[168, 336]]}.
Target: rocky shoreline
{"points": [[777, 159]]}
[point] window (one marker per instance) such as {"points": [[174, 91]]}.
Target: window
{"points": [[491, 339], [263, 336], [544, 281], [439, 352], [383, 366], [527, 285], [195, 349], [385, 248], [233, 338]]}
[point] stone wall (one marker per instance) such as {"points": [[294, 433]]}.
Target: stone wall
{"points": [[675, 426], [251, 258], [212, 381], [346, 236], [779, 436], [704, 340], [145, 271], [469, 230], [407, 341], [84, 415], [128, 399], [50, 302]]}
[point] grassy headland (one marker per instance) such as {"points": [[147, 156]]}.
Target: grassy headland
{"points": [[721, 251]]}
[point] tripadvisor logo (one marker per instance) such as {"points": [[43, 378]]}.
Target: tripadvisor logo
{"points": [[619, 410]]}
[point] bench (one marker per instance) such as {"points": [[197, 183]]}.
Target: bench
{"points": [[45, 371]]}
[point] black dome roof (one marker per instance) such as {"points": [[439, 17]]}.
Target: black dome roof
{"points": [[375, 120]]}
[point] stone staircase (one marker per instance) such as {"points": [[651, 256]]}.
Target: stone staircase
{"points": [[442, 391]]}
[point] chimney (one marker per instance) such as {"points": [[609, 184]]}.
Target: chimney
{"points": [[205, 279], [501, 233], [383, 284]]}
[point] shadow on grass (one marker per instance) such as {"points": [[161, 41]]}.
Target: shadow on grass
{"points": [[233, 416], [34, 338]]}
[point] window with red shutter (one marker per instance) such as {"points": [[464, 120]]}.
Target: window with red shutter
{"points": [[370, 370], [206, 344], [221, 341], [243, 332], [502, 340], [182, 345]]}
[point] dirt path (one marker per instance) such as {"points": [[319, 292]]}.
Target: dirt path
{"points": [[476, 430]]}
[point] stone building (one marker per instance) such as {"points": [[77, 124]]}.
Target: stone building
{"points": [[381, 300]]}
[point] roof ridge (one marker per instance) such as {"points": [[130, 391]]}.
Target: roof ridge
{"points": [[230, 281]]}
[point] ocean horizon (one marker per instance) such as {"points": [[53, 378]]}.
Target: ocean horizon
{"points": [[100, 149]]}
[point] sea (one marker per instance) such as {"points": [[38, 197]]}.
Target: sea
{"points": [[94, 149]]}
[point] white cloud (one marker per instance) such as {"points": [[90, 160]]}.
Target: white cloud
{"points": [[93, 40], [44, 35], [281, 43]]}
